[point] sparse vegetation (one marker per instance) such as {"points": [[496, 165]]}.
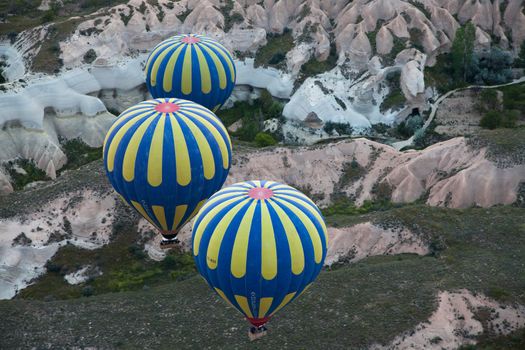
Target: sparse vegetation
{"points": [[24, 14], [90, 56], [410, 126], [341, 128], [464, 66], [370, 301], [498, 119], [230, 18], [78, 154], [264, 139], [273, 54], [48, 60], [23, 172], [505, 147], [395, 99], [127, 17], [314, 67], [123, 264], [252, 117]]}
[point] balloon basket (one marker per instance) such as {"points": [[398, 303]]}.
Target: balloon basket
{"points": [[256, 333], [169, 243]]}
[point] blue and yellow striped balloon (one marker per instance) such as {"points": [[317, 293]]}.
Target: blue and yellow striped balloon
{"points": [[192, 67], [259, 245], [166, 157]]}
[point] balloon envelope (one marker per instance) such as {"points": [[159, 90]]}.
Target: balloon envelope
{"points": [[192, 67], [259, 245], [166, 157]]}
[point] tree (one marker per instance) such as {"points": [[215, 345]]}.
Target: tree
{"points": [[263, 139], [491, 120], [496, 119], [462, 51], [491, 67], [520, 61]]}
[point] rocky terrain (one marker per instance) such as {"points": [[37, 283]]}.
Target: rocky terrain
{"points": [[79, 209], [426, 244], [329, 58]]}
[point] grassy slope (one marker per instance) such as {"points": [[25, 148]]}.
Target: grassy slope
{"points": [[350, 306]]}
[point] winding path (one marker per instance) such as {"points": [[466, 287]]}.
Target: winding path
{"points": [[434, 107]]}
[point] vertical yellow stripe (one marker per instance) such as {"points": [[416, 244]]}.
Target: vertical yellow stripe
{"points": [[264, 306], [204, 71], [309, 205], [130, 156], [161, 216], [121, 119], [216, 134], [142, 212], [167, 82], [208, 162], [294, 241], [226, 57], [285, 301], [186, 72], [218, 65], [240, 244], [182, 156], [206, 220], [161, 46], [156, 154], [212, 256], [222, 295], [243, 304], [310, 227], [156, 66], [180, 210], [199, 113], [268, 247], [118, 137]]}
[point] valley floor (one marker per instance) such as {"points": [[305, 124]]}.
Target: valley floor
{"points": [[350, 306]]}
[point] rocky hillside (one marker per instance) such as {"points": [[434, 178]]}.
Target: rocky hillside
{"points": [[426, 245], [452, 296], [79, 207], [357, 63]]}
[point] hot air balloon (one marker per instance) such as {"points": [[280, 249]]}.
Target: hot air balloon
{"points": [[259, 245], [165, 158], [192, 67]]}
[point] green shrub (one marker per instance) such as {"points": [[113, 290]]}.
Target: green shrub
{"points": [[48, 16], [78, 153], [87, 291], [498, 293], [499, 119], [346, 207], [341, 128], [419, 138], [263, 139], [30, 173], [274, 52], [90, 56]]}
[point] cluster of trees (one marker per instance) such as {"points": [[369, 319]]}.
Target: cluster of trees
{"points": [[464, 65], [253, 116], [495, 115], [410, 126], [478, 67], [341, 128]]}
